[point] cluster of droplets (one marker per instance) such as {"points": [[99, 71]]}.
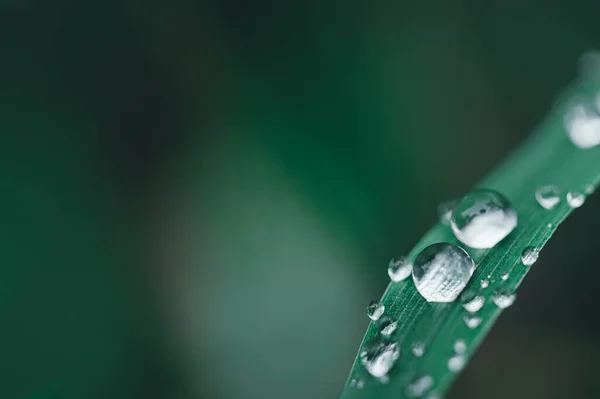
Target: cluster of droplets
{"points": [[441, 272], [549, 196]]}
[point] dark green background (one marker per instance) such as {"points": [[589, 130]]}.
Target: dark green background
{"points": [[199, 198]]}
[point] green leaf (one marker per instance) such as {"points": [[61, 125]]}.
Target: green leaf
{"points": [[547, 157]]}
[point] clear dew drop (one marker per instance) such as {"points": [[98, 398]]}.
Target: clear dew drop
{"points": [[472, 321], [419, 386], [474, 304], [387, 325], [456, 363], [589, 189], [504, 299], [357, 383], [582, 123], [575, 199], [441, 271], [399, 269], [375, 309], [445, 211], [483, 218], [548, 196], [505, 276], [418, 349], [530, 255], [379, 358], [484, 283], [460, 346]]}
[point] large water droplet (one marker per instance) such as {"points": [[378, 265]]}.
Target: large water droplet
{"points": [[419, 386], [456, 363], [375, 309], [483, 218], [460, 346], [474, 304], [530, 255], [445, 211], [582, 123], [441, 271], [575, 199], [504, 299], [387, 325], [418, 349], [399, 269], [472, 321], [548, 196], [379, 357]]}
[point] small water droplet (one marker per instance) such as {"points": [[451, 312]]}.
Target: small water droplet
{"points": [[549, 225], [375, 309], [456, 363], [474, 304], [441, 271], [387, 325], [445, 211], [505, 276], [379, 357], [418, 349], [419, 386], [548, 196], [530, 255], [460, 346], [485, 283], [472, 321], [589, 189], [504, 299], [399, 269], [575, 199], [360, 384], [582, 123], [483, 218]]}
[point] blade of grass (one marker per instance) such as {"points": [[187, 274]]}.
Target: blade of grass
{"points": [[547, 157]]}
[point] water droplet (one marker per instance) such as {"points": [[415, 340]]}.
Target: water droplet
{"points": [[485, 283], [530, 255], [472, 321], [505, 276], [434, 396], [379, 357], [445, 211], [456, 363], [474, 304], [575, 199], [460, 346], [483, 218], [504, 299], [357, 383], [549, 225], [387, 325], [548, 196], [441, 271], [419, 386], [582, 123], [399, 269], [375, 309], [418, 349], [589, 189]]}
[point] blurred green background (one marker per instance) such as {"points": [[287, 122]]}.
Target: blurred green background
{"points": [[199, 198]]}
